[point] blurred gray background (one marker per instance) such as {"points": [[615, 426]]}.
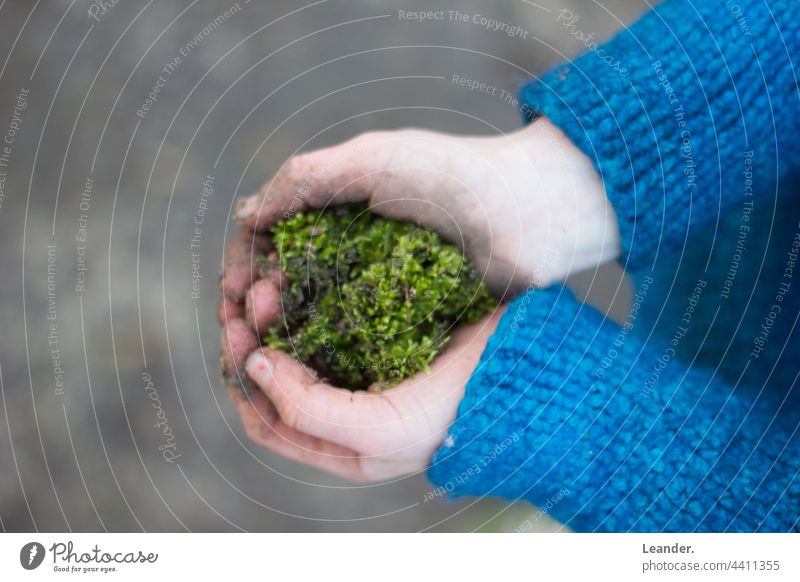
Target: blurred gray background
{"points": [[86, 324]]}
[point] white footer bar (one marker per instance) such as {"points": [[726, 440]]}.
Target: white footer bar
{"points": [[406, 557]]}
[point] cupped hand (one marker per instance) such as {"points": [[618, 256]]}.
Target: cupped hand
{"points": [[362, 436], [284, 407], [528, 207]]}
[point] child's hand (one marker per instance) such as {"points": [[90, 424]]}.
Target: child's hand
{"points": [[361, 436], [528, 208]]}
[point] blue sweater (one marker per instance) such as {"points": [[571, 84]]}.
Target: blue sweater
{"points": [[684, 418]]}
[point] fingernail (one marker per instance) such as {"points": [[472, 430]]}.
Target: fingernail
{"points": [[259, 368], [246, 207]]}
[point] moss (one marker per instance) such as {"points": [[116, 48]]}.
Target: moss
{"points": [[367, 299]]}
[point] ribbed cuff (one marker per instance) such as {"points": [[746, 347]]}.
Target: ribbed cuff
{"points": [[516, 434]]}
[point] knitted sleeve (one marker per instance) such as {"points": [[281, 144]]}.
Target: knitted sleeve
{"points": [[693, 109], [570, 412]]}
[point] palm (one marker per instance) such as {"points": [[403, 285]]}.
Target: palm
{"points": [[363, 436]]}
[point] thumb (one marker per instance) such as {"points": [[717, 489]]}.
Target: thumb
{"points": [[361, 421]]}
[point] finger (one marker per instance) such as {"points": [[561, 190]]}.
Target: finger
{"points": [[240, 265], [362, 421], [264, 427], [229, 310], [262, 306], [238, 341], [346, 172]]}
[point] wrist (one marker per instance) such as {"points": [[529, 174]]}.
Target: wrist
{"points": [[579, 222]]}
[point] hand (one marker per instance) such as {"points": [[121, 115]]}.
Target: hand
{"points": [[528, 208], [361, 436]]}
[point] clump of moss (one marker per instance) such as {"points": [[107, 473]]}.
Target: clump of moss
{"points": [[369, 300]]}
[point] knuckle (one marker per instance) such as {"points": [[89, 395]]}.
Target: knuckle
{"points": [[367, 143], [365, 139], [301, 420], [293, 167], [290, 413]]}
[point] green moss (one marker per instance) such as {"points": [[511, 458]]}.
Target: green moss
{"points": [[367, 299]]}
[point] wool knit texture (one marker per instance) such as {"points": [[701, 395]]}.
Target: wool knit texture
{"points": [[669, 138], [665, 423], [564, 401]]}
